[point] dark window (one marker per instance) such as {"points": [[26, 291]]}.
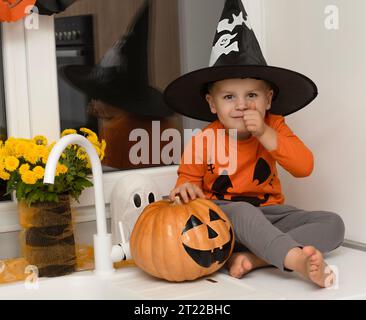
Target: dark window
{"points": [[114, 60]]}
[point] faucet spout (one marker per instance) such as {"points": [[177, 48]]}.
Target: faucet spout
{"points": [[102, 240]]}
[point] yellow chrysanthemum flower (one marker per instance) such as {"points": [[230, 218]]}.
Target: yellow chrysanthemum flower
{"points": [[10, 145], [60, 169], [40, 140], [94, 140], [11, 163], [102, 149], [4, 175], [31, 154], [29, 177], [103, 145], [44, 159], [81, 154], [42, 151], [68, 131], [24, 168], [4, 152], [39, 171], [88, 132], [20, 148]]}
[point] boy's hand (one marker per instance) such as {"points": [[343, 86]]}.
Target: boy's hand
{"points": [[254, 122], [187, 191]]}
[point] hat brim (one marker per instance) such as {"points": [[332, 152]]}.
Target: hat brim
{"points": [[118, 92], [184, 95]]}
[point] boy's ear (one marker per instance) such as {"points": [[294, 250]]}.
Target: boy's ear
{"points": [[269, 98], [210, 103]]}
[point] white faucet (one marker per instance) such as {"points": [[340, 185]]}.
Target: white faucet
{"points": [[102, 240]]}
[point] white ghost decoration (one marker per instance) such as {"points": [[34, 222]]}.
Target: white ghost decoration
{"points": [[131, 194]]}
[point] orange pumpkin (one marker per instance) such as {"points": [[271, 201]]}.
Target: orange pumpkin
{"points": [[179, 242], [13, 10]]}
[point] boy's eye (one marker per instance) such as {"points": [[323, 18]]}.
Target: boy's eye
{"points": [[252, 95], [228, 97]]}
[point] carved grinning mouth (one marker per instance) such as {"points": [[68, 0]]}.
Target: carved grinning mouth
{"points": [[206, 258]]}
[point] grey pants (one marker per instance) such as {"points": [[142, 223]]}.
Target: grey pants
{"points": [[271, 231]]}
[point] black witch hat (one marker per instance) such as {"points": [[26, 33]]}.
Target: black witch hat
{"points": [[121, 77], [236, 54], [49, 7]]}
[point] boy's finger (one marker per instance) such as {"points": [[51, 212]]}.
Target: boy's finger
{"points": [[191, 192], [184, 196], [172, 194]]}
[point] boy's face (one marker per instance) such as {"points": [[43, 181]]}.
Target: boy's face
{"points": [[230, 98]]}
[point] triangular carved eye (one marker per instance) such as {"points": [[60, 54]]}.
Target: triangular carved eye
{"points": [[192, 222], [214, 216]]}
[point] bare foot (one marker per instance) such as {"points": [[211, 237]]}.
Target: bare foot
{"points": [[317, 270], [240, 263], [309, 262]]}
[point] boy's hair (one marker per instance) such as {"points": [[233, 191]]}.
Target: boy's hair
{"points": [[208, 86]]}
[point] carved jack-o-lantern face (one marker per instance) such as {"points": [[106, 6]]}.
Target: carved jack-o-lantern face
{"points": [[179, 242], [218, 250]]}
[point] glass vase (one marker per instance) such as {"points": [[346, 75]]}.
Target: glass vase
{"points": [[47, 236]]}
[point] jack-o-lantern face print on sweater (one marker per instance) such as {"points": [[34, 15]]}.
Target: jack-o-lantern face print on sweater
{"points": [[262, 173]]}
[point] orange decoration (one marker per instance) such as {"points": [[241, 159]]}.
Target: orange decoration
{"points": [[179, 242], [13, 10]]}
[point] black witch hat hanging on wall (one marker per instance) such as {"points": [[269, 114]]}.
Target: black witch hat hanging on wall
{"points": [[236, 54], [49, 7], [121, 77]]}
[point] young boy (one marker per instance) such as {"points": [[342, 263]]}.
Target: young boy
{"points": [[297, 238], [240, 92]]}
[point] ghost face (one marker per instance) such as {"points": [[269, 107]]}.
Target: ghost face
{"points": [[129, 197]]}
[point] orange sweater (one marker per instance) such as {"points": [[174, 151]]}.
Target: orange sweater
{"points": [[255, 179]]}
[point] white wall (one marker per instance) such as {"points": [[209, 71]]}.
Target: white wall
{"points": [[333, 125]]}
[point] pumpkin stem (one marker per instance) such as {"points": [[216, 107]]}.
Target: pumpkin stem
{"points": [[177, 200]]}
